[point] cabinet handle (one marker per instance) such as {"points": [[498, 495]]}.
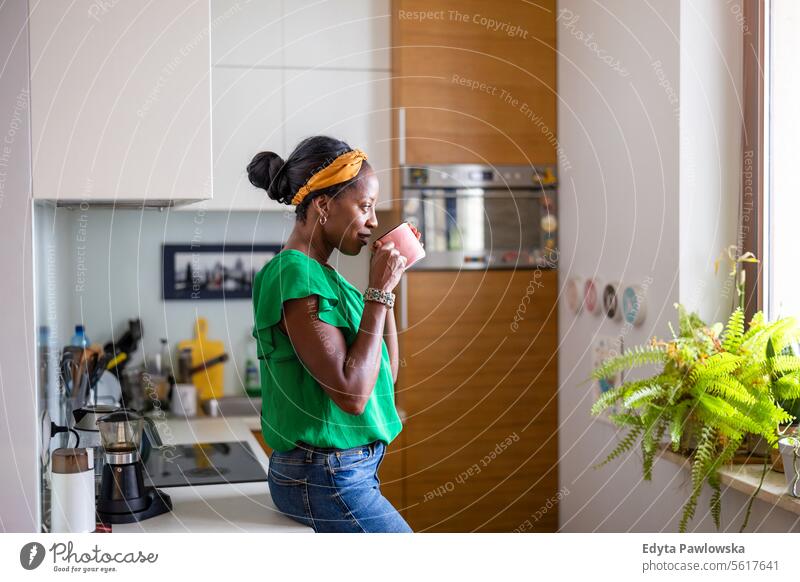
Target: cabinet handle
{"points": [[401, 136]]}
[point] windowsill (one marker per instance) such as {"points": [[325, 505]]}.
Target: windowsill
{"points": [[745, 478]]}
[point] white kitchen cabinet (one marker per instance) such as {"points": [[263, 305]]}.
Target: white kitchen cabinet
{"points": [[284, 70], [350, 105], [120, 101], [340, 34], [247, 33], [248, 118]]}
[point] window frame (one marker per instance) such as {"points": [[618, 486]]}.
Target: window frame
{"points": [[754, 217]]}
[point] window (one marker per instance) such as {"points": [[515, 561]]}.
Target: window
{"points": [[782, 154]]}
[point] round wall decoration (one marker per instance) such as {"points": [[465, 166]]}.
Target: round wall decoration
{"points": [[633, 304]]}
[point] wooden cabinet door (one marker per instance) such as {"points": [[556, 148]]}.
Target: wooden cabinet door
{"points": [[476, 81], [479, 387]]}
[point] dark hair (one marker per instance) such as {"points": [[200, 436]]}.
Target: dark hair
{"points": [[282, 179]]}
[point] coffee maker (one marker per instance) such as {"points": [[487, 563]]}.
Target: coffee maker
{"points": [[123, 496], [85, 427]]}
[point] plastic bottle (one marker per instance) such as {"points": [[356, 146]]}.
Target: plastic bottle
{"points": [[252, 383], [80, 338]]}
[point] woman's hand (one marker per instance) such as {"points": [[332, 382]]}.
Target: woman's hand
{"points": [[387, 266]]}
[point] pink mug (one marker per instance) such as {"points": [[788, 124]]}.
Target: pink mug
{"points": [[406, 242]]}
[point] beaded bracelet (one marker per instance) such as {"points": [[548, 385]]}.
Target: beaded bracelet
{"points": [[385, 297]]}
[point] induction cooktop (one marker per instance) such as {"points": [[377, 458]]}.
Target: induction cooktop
{"points": [[202, 464]]}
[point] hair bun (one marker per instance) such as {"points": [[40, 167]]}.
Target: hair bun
{"points": [[267, 170]]}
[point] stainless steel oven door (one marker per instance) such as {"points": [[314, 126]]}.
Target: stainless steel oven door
{"points": [[477, 228]]}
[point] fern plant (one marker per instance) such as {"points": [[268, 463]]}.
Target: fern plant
{"points": [[714, 384]]}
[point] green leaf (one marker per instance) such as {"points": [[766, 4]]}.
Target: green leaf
{"points": [[638, 356], [625, 445], [787, 387], [702, 463], [716, 365], [606, 399], [785, 364], [728, 388], [715, 502], [643, 395], [734, 331], [679, 415]]}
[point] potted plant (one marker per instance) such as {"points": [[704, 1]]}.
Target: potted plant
{"points": [[714, 383]]}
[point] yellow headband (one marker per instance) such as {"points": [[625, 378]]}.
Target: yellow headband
{"points": [[340, 170]]}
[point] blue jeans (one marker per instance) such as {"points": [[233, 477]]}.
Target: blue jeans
{"points": [[333, 490]]}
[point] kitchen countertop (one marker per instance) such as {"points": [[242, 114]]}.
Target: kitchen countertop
{"points": [[229, 507]]}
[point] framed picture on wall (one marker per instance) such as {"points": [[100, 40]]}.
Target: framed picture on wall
{"points": [[224, 271]]}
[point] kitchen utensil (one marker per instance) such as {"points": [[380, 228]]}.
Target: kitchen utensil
{"points": [[222, 358], [406, 242], [116, 361], [156, 389], [184, 365], [66, 372], [80, 390], [119, 351], [184, 400], [109, 390], [72, 491], [133, 395], [210, 381], [98, 369], [77, 362], [123, 496]]}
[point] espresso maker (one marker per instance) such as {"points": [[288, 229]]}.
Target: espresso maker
{"points": [[123, 496]]}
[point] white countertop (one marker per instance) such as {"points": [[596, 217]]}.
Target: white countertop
{"points": [[229, 507]]}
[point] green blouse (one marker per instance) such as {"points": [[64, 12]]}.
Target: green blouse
{"points": [[294, 405]]}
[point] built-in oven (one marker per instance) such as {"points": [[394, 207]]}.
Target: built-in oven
{"points": [[483, 217]]}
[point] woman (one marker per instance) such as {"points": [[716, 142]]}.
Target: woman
{"points": [[329, 356]]}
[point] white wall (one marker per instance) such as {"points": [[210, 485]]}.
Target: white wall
{"points": [[636, 207], [19, 442]]}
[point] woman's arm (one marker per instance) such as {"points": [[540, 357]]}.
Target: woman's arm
{"points": [[390, 337], [348, 375]]}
